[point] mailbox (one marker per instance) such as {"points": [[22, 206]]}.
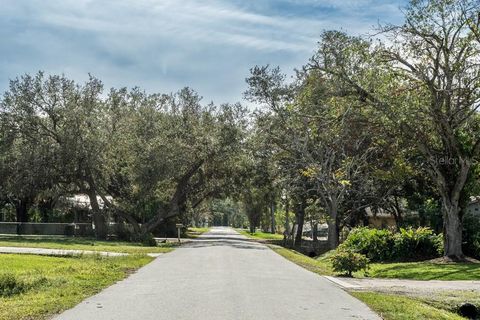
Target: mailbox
{"points": [[179, 226]]}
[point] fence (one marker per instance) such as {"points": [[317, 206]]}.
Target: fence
{"points": [[43, 228]]}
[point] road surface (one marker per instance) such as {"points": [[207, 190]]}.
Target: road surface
{"points": [[221, 276]]}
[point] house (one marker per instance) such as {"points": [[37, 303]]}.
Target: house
{"points": [[473, 207]]}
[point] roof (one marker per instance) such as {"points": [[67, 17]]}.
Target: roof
{"points": [[83, 201]]}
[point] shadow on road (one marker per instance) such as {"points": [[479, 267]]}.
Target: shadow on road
{"points": [[222, 239], [224, 243]]}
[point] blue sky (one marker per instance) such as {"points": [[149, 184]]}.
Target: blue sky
{"points": [[164, 45]]}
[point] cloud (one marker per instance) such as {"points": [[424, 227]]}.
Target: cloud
{"points": [[162, 45]]}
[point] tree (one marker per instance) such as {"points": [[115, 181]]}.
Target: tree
{"points": [[178, 153], [156, 155], [62, 121], [425, 81]]}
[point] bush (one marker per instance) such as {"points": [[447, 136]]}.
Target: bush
{"points": [[10, 285], [417, 244], [347, 261], [123, 232], [385, 245], [376, 244], [148, 240]]}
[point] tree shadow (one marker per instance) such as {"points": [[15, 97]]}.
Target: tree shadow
{"points": [[222, 241]]}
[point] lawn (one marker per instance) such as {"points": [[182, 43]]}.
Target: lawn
{"points": [[35, 287], [449, 300], [396, 307], [261, 235], [81, 244], [401, 270], [425, 271], [434, 305]]}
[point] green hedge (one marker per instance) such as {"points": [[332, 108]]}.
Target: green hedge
{"points": [[384, 245]]}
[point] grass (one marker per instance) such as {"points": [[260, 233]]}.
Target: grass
{"points": [[50, 285], [401, 270], [396, 307], [434, 305], [321, 265], [81, 244], [425, 271], [261, 235], [449, 300], [195, 232]]}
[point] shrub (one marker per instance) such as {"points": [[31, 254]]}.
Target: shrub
{"points": [[148, 240], [347, 261], [10, 285], [419, 243], [123, 232], [384, 245], [376, 244]]}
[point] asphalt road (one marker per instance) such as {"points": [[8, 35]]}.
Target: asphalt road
{"points": [[221, 276]]}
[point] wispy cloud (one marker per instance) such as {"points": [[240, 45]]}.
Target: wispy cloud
{"points": [[163, 45]]}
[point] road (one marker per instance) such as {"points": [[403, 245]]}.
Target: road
{"points": [[221, 276]]}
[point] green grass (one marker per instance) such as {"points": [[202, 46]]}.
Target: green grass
{"points": [[54, 284], [434, 305], [82, 244], [261, 235], [449, 300], [401, 270], [321, 265], [425, 271], [396, 307], [195, 232]]}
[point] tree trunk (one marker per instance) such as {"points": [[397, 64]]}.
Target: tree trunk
{"points": [[21, 210], [315, 232], [287, 223], [397, 213], [333, 229], [452, 219], [300, 217], [272, 216], [452, 231], [294, 229], [98, 217]]}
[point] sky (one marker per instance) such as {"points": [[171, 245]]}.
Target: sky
{"points": [[164, 45]]}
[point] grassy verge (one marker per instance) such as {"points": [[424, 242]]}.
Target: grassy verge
{"points": [[35, 287], [401, 270], [261, 235], [195, 232], [321, 265], [425, 271], [434, 305], [82, 244], [396, 307]]}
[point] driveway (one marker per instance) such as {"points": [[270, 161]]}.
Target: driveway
{"points": [[221, 275]]}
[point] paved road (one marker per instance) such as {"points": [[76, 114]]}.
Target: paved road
{"points": [[221, 276]]}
